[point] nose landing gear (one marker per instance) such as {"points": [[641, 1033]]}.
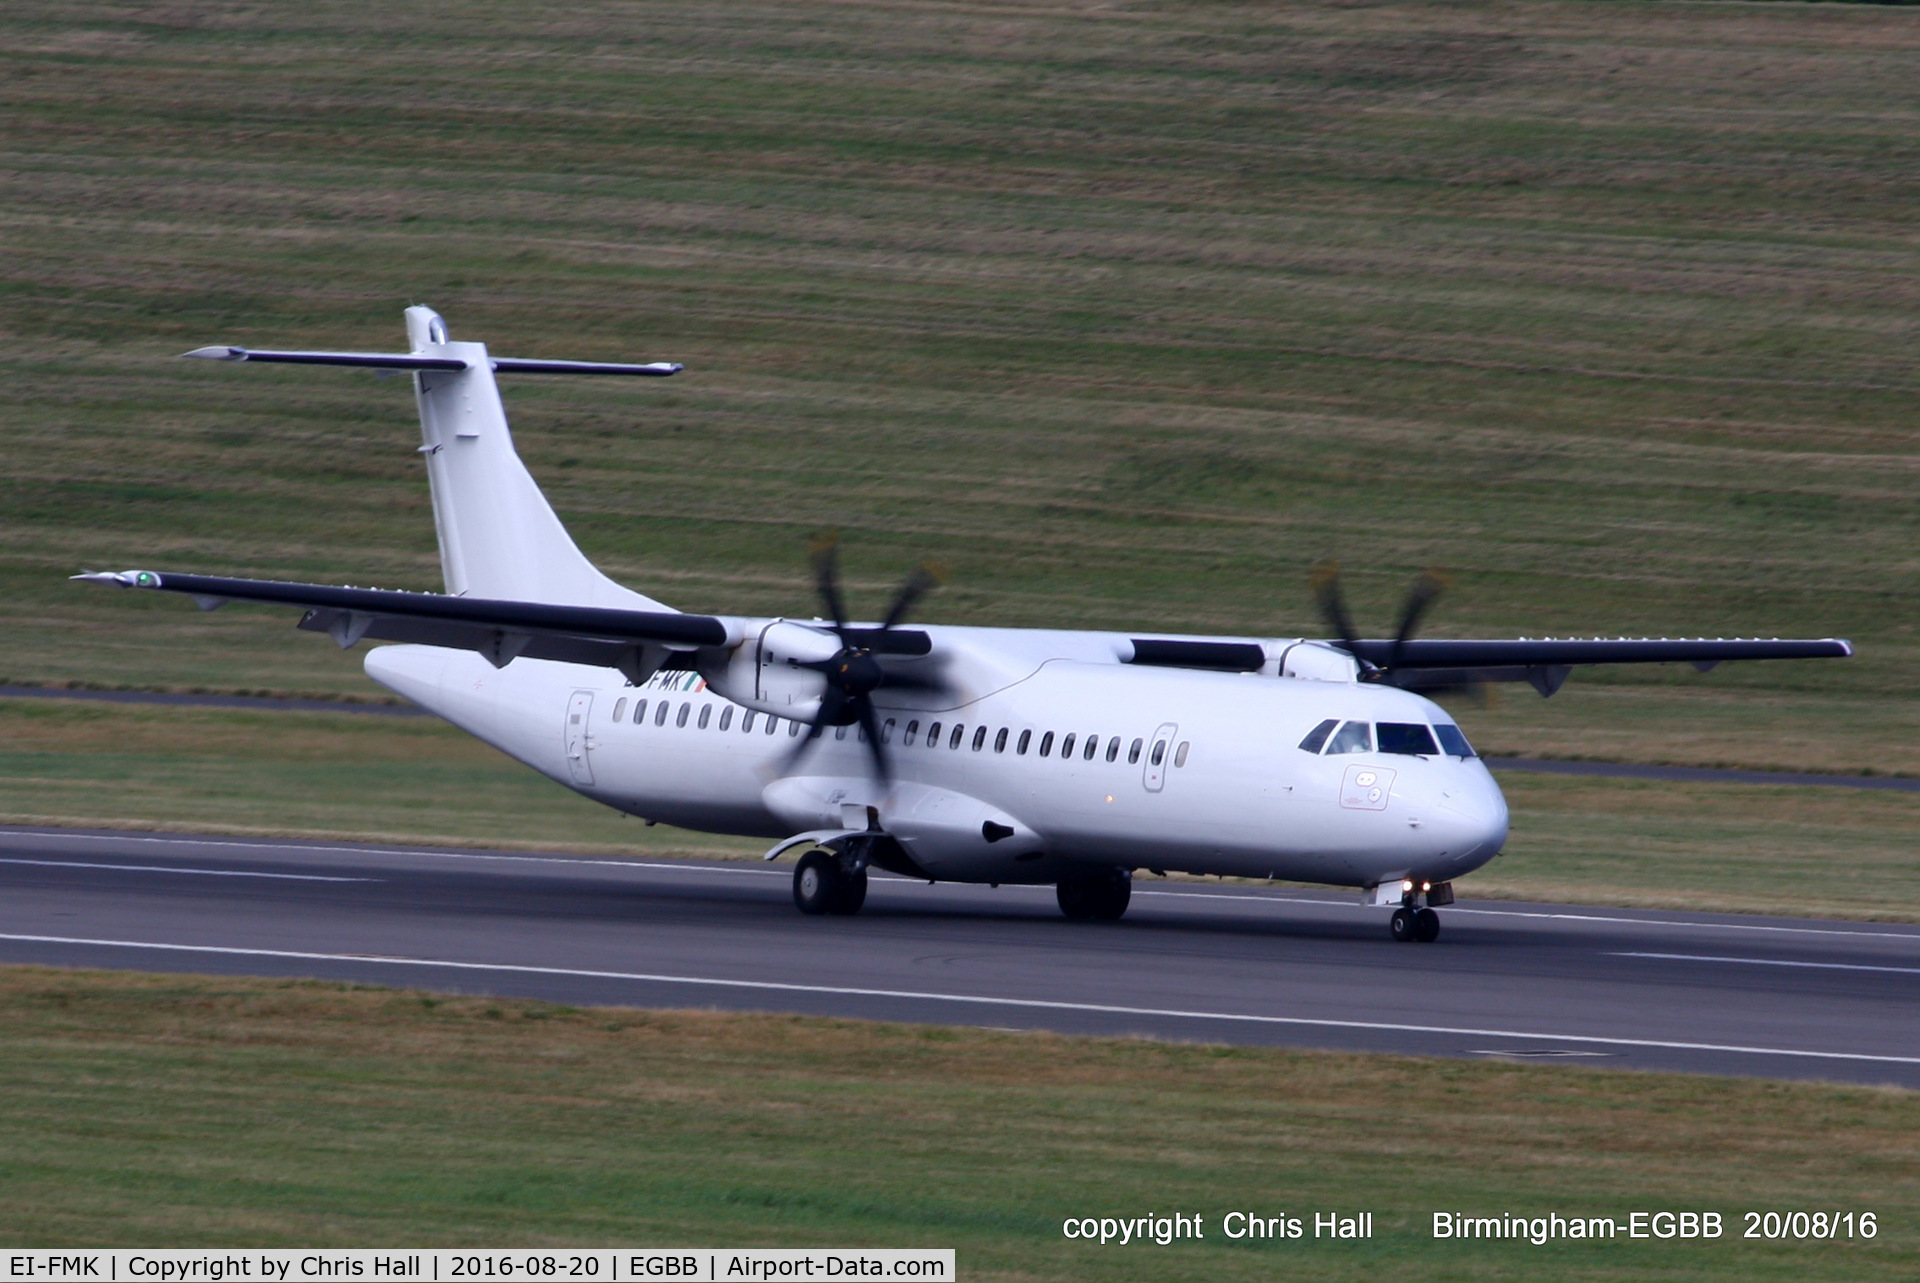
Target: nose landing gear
{"points": [[1409, 925], [822, 883]]}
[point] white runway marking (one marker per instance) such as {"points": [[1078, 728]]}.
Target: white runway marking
{"points": [[205, 873], [970, 999], [1771, 962]]}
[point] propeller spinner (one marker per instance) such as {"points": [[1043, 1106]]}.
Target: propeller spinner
{"points": [[854, 672]]}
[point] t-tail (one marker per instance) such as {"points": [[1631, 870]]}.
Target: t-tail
{"points": [[499, 538]]}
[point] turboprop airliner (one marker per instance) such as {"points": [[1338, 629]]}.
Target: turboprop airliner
{"points": [[948, 753]]}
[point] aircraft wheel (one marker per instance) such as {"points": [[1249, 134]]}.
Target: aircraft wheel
{"points": [[1075, 899], [853, 893], [1403, 926], [1116, 893], [1095, 897], [1426, 926], [818, 883]]}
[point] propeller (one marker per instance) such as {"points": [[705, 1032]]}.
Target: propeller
{"points": [[854, 672], [1333, 608]]}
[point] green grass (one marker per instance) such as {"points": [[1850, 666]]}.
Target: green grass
{"points": [[1131, 314], [226, 1112]]}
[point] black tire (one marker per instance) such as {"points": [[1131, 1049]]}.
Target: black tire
{"points": [[1075, 902], [853, 893], [818, 882], [1402, 926], [1115, 894], [1426, 926], [1102, 896]]}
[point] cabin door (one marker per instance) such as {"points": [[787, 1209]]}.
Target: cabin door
{"points": [[579, 709]]}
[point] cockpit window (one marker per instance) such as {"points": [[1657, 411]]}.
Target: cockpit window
{"points": [[1318, 735], [1410, 738], [1453, 741], [1354, 737]]}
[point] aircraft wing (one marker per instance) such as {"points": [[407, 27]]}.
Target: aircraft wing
{"points": [[1436, 663], [500, 630]]}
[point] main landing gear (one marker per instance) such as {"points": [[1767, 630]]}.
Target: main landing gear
{"points": [[823, 883], [1409, 924], [1099, 896]]}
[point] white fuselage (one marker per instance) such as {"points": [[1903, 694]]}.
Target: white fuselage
{"points": [[1199, 772]]}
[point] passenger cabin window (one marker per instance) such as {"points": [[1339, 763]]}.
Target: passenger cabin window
{"points": [[913, 729], [793, 729], [746, 723], [958, 731], [1453, 741], [1133, 752], [979, 739], [660, 717], [726, 717], [1113, 748], [681, 720], [839, 732], [1410, 739], [1159, 753], [1026, 738], [639, 712], [933, 735], [773, 723], [1046, 744], [1000, 741], [706, 715], [1093, 746], [1066, 748], [1317, 737], [1354, 737], [886, 731], [619, 708], [1180, 754]]}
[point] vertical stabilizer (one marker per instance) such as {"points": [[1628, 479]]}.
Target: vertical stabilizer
{"points": [[498, 535]]}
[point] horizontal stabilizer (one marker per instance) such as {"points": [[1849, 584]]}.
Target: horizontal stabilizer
{"points": [[523, 365], [375, 360], [417, 361]]}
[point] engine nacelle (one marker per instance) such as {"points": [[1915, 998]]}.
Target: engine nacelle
{"points": [[763, 672], [1318, 662]]}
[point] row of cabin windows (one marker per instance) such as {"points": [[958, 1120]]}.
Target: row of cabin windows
{"points": [[663, 709], [1411, 739], [1088, 746], [954, 736]]}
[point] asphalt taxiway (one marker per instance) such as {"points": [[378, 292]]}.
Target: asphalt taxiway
{"points": [[1712, 993]]}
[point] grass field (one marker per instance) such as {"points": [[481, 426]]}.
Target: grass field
{"points": [[213, 1111], [1131, 313]]}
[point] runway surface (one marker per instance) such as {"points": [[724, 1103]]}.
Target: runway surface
{"points": [[1766, 997]]}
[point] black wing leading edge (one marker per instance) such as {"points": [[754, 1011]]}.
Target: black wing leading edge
{"points": [[634, 641]]}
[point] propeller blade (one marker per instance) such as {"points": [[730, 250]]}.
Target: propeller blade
{"points": [[830, 705], [1428, 586], [925, 578], [870, 725], [1333, 605], [826, 577]]}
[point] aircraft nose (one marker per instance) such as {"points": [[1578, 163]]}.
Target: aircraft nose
{"points": [[1475, 811]]}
